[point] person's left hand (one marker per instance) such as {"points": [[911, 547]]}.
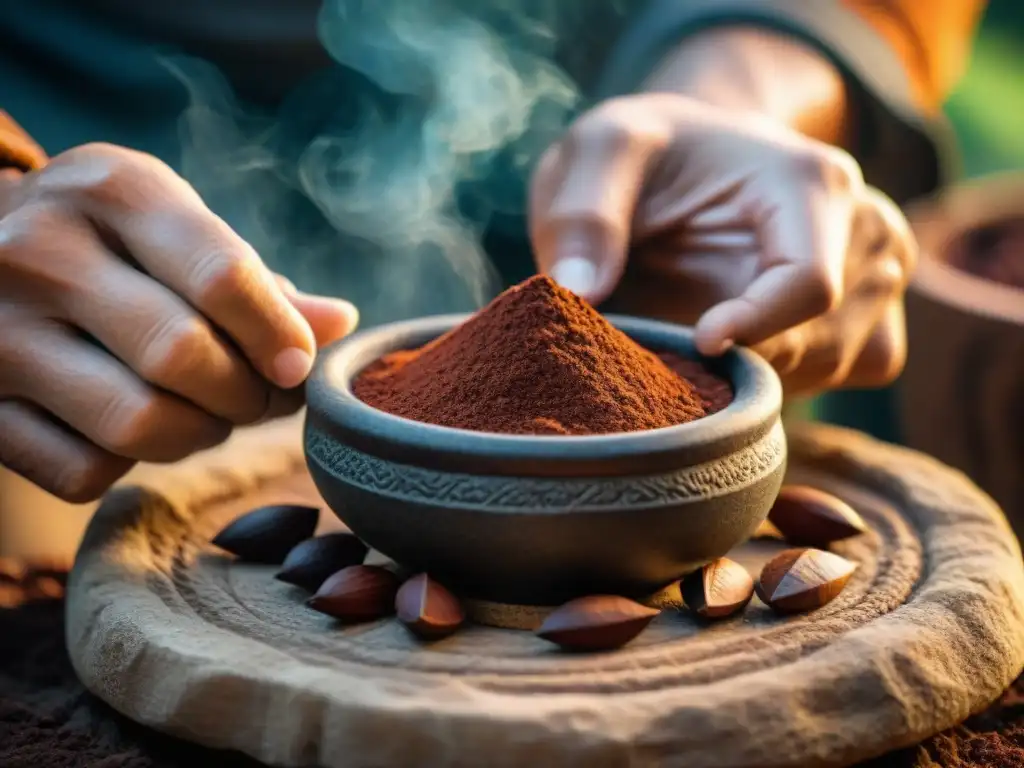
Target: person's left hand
{"points": [[753, 233]]}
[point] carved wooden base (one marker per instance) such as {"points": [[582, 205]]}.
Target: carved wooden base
{"points": [[181, 638]]}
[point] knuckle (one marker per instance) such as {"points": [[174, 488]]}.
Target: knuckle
{"points": [[282, 403], [91, 150], [105, 155], [127, 423], [254, 408], [20, 334], [106, 160], [593, 130], [888, 277], [834, 375], [43, 252], [883, 358], [593, 224], [100, 171], [886, 368], [23, 230], [787, 360], [909, 254], [612, 127], [198, 436], [896, 234], [18, 235], [172, 348], [62, 465], [216, 432], [82, 481], [830, 168], [821, 292], [221, 274], [889, 374], [831, 363], [875, 377]]}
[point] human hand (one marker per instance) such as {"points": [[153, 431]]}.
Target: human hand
{"points": [[750, 231], [137, 326]]}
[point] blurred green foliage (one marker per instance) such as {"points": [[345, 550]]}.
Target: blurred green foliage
{"points": [[987, 109]]}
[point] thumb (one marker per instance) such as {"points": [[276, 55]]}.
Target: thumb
{"points": [[582, 200]]}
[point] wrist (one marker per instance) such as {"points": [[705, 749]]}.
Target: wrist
{"points": [[749, 70]]}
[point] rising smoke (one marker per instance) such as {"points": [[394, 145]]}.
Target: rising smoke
{"points": [[375, 179]]}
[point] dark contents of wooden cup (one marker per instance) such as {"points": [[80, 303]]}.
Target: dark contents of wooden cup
{"points": [[994, 252], [540, 360]]}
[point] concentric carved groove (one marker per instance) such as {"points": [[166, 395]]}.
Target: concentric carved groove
{"points": [[234, 650], [405, 482]]}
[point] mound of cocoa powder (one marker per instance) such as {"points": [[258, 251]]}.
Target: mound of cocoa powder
{"points": [[540, 360]]}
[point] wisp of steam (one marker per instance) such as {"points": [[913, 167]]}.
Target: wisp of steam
{"points": [[375, 179]]}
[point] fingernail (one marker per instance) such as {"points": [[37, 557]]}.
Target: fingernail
{"points": [[715, 349], [291, 367], [709, 342], [345, 308], [327, 302], [575, 273], [351, 313], [286, 285]]}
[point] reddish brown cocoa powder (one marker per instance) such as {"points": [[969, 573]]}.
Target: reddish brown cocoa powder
{"points": [[714, 391], [540, 360]]}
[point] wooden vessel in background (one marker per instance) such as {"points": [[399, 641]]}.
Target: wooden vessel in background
{"points": [[962, 393]]}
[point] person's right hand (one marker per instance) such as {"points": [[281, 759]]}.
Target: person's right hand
{"points": [[135, 325]]}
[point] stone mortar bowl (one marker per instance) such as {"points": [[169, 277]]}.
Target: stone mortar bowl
{"points": [[540, 520]]}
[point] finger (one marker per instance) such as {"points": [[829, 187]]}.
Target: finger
{"points": [[894, 239], [329, 318], [96, 395], [890, 255], [820, 354], [154, 332], [286, 285], [59, 462], [805, 239], [834, 344], [174, 237], [583, 197], [285, 402], [837, 341], [884, 355], [785, 352]]}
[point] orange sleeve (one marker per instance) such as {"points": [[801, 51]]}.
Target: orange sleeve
{"points": [[17, 149], [931, 37]]}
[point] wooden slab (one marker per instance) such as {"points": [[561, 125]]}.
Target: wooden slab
{"points": [[178, 637]]}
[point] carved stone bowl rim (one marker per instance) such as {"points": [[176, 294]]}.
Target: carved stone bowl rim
{"points": [[334, 410]]}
